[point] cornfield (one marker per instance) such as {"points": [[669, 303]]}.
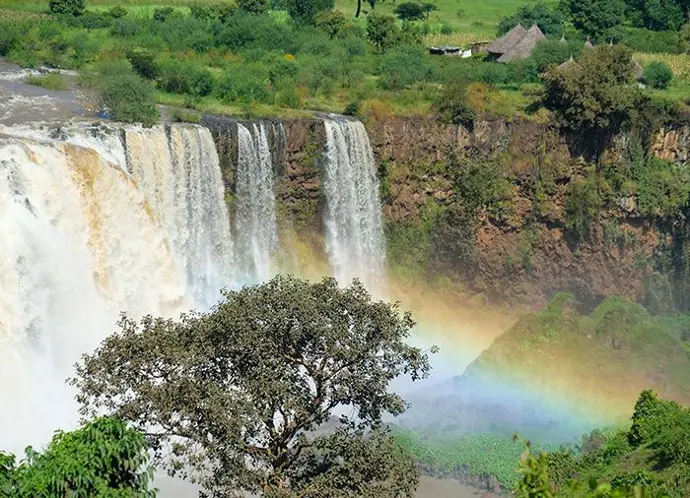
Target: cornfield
{"points": [[679, 63], [454, 39]]}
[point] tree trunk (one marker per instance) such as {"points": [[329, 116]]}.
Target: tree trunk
{"points": [[359, 8]]}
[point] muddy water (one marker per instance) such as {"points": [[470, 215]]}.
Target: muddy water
{"points": [[23, 103]]}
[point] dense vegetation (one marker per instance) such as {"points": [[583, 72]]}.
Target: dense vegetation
{"points": [[103, 458], [283, 57]]}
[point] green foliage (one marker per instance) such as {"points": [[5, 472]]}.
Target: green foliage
{"points": [[102, 459], [473, 455], [117, 12], [594, 96], [403, 66], [662, 187], [381, 30], [67, 7], [126, 95], [535, 475], [452, 106], [683, 39], [550, 53], [162, 14], [595, 17], [409, 11], [655, 15], [549, 19], [144, 63], [305, 11], [658, 75], [644, 40], [253, 6], [186, 78], [240, 388], [51, 81], [222, 11], [331, 21]]}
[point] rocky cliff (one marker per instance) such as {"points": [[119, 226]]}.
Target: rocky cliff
{"points": [[519, 248]]}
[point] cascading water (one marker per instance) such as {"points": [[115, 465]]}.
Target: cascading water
{"points": [[354, 228], [255, 216], [95, 221]]}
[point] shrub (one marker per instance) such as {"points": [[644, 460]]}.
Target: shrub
{"points": [[217, 12], [162, 14], [10, 36], [305, 11], [68, 7], [658, 75], [144, 63], [244, 86], [452, 106], [381, 30], [118, 12], [127, 96], [186, 78], [180, 116], [581, 207], [404, 66], [331, 21], [94, 20], [644, 40], [125, 28]]}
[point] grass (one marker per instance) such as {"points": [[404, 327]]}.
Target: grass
{"points": [[50, 81], [474, 20]]}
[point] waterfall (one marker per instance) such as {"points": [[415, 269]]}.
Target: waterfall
{"points": [[354, 228], [95, 220], [255, 215]]}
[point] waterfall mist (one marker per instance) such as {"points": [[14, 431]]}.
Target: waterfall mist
{"points": [[94, 221], [354, 227]]}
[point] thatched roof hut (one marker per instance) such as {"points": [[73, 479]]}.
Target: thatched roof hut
{"points": [[507, 41], [523, 48]]}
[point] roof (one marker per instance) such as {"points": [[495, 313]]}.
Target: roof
{"points": [[588, 44], [638, 71], [523, 48], [507, 41], [567, 63]]}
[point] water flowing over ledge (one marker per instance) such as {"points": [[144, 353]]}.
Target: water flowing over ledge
{"points": [[95, 220]]}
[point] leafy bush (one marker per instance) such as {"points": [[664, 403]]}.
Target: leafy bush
{"points": [[125, 28], [581, 206], [381, 30], [126, 95], [212, 12], [144, 63], [117, 12], [452, 106], [68, 7], [242, 86], [658, 75], [94, 20], [162, 14], [331, 21], [103, 458], [403, 66], [10, 36], [305, 11], [645, 40], [662, 187], [186, 78]]}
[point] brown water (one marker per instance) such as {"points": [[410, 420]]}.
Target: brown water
{"points": [[23, 103]]}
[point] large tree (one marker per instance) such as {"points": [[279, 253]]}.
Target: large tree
{"points": [[237, 399], [594, 96], [595, 17], [549, 19]]}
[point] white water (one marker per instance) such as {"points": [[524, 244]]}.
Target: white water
{"points": [[89, 228], [354, 227], [255, 216]]}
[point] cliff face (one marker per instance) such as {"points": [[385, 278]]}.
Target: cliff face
{"points": [[523, 254]]}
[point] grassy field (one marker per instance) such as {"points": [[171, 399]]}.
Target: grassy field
{"points": [[471, 21]]}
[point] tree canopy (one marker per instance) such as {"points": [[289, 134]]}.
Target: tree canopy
{"points": [[595, 95], [550, 20], [595, 17], [244, 389], [102, 459]]}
